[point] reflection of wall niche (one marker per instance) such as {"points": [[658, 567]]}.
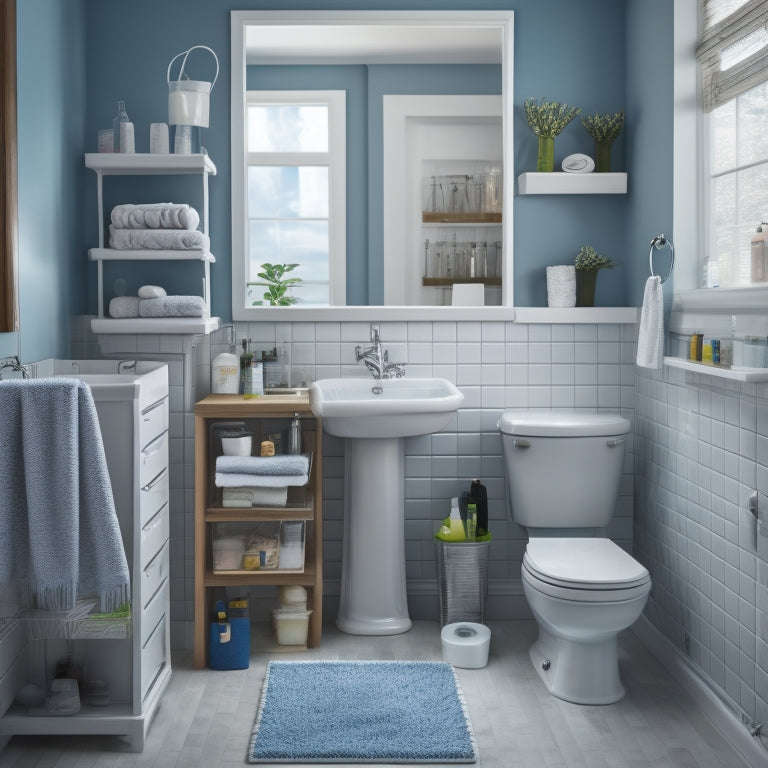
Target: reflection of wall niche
{"points": [[446, 155]]}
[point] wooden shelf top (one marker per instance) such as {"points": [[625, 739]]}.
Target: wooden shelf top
{"points": [[243, 406]]}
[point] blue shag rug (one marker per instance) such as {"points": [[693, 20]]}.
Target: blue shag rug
{"points": [[361, 712]]}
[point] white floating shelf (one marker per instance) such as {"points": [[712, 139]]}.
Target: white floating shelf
{"points": [[154, 254], [116, 164], [734, 373], [191, 325], [557, 183]]}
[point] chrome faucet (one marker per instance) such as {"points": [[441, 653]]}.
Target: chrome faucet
{"points": [[376, 360]]}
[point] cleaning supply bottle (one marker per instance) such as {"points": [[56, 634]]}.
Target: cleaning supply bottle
{"points": [[759, 268], [246, 356], [294, 435], [471, 521], [224, 373], [120, 117], [479, 495]]}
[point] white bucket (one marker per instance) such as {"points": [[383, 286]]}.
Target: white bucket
{"points": [[189, 100]]}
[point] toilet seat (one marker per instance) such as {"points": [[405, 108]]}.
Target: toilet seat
{"points": [[581, 569]]}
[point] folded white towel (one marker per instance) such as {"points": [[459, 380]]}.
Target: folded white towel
{"points": [[283, 464], [235, 480], [650, 340], [124, 306], [254, 496], [155, 216], [173, 306], [158, 239], [151, 292]]}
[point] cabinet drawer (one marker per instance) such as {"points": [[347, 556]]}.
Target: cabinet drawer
{"points": [[153, 459], [153, 657], [153, 535], [152, 421], [152, 496], [153, 575], [155, 610]]}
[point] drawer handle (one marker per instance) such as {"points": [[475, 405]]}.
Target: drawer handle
{"points": [[152, 483], [154, 522], [155, 446], [153, 407]]}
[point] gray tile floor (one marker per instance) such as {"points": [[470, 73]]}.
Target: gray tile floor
{"points": [[206, 717]]}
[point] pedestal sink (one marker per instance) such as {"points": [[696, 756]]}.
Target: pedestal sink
{"points": [[374, 416]]}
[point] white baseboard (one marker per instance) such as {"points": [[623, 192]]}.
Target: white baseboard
{"points": [[713, 708]]}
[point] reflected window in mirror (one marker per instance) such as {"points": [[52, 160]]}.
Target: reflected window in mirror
{"points": [[296, 176]]}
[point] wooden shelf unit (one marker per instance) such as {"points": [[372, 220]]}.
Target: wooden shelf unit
{"points": [[260, 414]]}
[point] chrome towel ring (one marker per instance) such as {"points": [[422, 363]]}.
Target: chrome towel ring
{"points": [[659, 242]]}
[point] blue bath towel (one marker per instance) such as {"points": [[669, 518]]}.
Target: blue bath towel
{"points": [[59, 534]]}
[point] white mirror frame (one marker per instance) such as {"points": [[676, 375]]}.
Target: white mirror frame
{"points": [[240, 20]]}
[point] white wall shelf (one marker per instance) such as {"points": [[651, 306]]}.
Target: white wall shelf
{"points": [[560, 183], [749, 375], [114, 164]]}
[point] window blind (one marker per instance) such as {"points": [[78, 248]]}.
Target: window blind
{"points": [[733, 50]]}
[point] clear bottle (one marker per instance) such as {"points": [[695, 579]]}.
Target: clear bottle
{"points": [[246, 356], [120, 117], [294, 435]]}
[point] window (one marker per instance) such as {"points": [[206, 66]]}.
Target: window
{"points": [[733, 60], [295, 196]]}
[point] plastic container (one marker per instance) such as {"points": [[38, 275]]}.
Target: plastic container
{"points": [[225, 374], [228, 554], [234, 654], [120, 117], [237, 445], [290, 627]]}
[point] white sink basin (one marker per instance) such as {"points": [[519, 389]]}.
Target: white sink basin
{"points": [[373, 408]]}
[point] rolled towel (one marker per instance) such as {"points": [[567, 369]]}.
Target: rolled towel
{"points": [[173, 306], [124, 306], [284, 464], [155, 216], [650, 340], [233, 480], [158, 239], [254, 496], [151, 292]]}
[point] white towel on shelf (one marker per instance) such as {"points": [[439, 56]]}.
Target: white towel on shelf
{"points": [[283, 464], [237, 480], [155, 216], [173, 306], [650, 340], [254, 496], [124, 306], [158, 239], [152, 292]]}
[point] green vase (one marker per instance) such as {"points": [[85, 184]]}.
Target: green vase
{"points": [[603, 156], [586, 280], [546, 158]]}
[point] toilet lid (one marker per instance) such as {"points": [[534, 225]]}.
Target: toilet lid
{"points": [[583, 563]]}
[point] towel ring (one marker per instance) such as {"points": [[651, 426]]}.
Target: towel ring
{"points": [[658, 243]]}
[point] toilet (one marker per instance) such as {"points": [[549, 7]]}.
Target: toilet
{"points": [[563, 473]]}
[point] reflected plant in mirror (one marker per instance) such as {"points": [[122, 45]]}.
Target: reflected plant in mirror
{"points": [[277, 285]]}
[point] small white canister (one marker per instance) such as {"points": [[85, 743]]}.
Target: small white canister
{"points": [[225, 374], [466, 644]]}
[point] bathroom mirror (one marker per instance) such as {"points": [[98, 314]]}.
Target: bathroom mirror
{"points": [[9, 317], [368, 39]]}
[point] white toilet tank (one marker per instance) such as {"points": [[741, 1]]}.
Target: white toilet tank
{"points": [[563, 469]]}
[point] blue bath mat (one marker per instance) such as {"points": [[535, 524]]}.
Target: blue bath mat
{"points": [[361, 712]]}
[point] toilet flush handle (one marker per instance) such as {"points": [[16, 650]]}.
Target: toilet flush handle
{"points": [[615, 443], [517, 443]]}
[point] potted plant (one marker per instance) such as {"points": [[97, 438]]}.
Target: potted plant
{"points": [[588, 263], [547, 121], [273, 276], [603, 129]]}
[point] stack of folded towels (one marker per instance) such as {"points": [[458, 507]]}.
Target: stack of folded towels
{"points": [[248, 481], [164, 226], [153, 301]]}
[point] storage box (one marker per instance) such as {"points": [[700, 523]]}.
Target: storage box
{"points": [[234, 654], [290, 627], [259, 545]]}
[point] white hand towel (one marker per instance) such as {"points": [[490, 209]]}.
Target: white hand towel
{"points": [[650, 339]]}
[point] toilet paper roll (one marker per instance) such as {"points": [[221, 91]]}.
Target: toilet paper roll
{"points": [[466, 644], [578, 164]]}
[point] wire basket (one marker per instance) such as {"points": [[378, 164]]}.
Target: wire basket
{"points": [[56, 625], [462, 569]]}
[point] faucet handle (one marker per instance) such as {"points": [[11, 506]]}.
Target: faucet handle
{"points": [[375, 334]]}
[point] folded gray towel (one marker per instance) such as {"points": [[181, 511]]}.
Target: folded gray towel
{"points": [[283, 464], [155, 216], [151, 292], [124, 306], [158, 239], [173, 306]]}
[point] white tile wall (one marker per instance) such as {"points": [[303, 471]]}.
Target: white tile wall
{"points": [[497, 365], [700, 450]]}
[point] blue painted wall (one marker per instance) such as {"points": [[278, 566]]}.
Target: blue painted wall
{"points": [[78, 57], [51, 114]]}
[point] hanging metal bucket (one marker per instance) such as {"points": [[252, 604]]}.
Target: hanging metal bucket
{"points": [[189, 100]]}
